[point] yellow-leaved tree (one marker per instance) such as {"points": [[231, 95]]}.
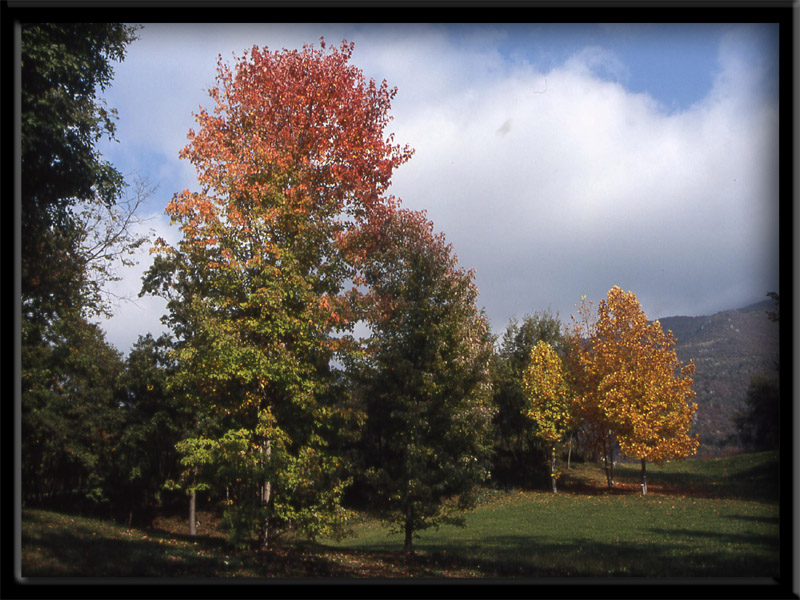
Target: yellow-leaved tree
{"points": [[548, 400], [633, 388]]}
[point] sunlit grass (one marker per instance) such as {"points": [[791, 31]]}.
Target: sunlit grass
{"points": [[694, 529]]}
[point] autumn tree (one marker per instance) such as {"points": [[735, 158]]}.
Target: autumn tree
{"points": [[549, 404], [517, 450], [292, 159], [424, 378], [633, 389]]}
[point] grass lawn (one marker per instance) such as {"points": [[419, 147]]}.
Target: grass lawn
{"points": [[701, 518]]}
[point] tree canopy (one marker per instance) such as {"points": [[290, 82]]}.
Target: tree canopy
{"points": [[292, 162], [632, 388], [64, 66], [424, 378]]}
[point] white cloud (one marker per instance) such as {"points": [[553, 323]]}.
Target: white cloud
{"points": [[552, 184], [594, 186]]}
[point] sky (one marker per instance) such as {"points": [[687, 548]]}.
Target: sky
{"points": [[559, 160]]}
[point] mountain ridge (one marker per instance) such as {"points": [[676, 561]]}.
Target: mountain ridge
{"points": [[727, 348]]}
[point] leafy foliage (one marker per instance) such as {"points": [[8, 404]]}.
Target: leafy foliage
{"points": [[631, 384], [424, 378], [64, 66], [549, 399], [291, 163], [153, 421], [70, 418], [549, 396], [73, 232], [519, 453]]}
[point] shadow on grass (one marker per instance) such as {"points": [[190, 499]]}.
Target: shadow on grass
{"points": [[758, 483], [60, 553], [765, 520], [53, 547], [524, 556], [722, 538]]}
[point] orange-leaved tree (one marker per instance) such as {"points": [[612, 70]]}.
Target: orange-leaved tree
{"points": [[291, 161], [632, 384], [549, 400]]}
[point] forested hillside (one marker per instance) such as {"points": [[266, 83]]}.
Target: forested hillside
{"points": [[727, 349]]}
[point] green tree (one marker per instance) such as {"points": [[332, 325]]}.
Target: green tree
{"points": [[154, 420], [424, 377], [71, 420], [64, 66], [291, 161], [517, 449], [72, 233]]}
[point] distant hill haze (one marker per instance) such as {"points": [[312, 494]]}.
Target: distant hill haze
{"points": [[727, 348]]}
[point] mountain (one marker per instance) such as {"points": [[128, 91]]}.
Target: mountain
{"points": [[727, 348]]}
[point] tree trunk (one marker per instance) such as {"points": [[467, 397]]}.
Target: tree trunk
{"points": [[569, 453], [609, 460], [553, 469], [644, 477], [408, 547], [193, 506], [192, 519], [266, 492]]}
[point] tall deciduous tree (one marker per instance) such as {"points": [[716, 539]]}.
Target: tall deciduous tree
{"points": [[292, 159], [425, 377], [64, 67], [70, 418], [549, 400], [633, 387]]}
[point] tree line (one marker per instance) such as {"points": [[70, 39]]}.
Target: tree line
{"points": [[325, 350]]}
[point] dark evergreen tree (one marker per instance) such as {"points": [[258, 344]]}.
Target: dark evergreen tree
{"points": [[425, 379], [154, 421], [71, 421]]}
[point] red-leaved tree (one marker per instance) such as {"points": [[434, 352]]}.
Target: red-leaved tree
{"points": [[292, 160]]}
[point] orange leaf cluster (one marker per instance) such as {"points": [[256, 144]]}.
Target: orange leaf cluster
{"points": [[629, 379]]}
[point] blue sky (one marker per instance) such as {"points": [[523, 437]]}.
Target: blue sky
{"points": [[673, 62], [559, 160]]}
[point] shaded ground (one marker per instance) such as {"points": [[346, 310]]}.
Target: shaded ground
{"points": [[63, 545]]}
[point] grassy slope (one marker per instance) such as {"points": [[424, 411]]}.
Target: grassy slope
{"points": [[702, 518]]}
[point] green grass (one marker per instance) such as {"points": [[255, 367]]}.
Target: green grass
{"points": [[716, 517]]}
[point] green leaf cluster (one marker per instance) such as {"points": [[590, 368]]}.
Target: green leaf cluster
{"points": [[424, 380]]}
